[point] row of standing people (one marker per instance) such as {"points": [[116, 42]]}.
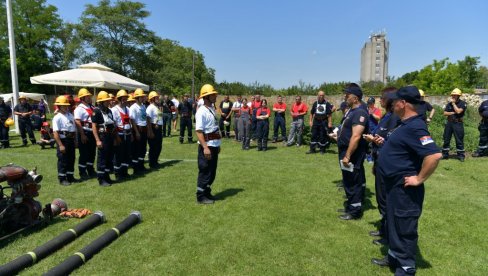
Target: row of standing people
{"points": [[251, 121], [119, 133]]}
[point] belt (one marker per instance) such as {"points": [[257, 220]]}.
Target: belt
{"points": [[455, 120], [212, 136], [67, 134], [156, 126], [142, 129]]}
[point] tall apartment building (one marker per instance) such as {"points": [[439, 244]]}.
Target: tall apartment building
{"points": [[374, 58]]}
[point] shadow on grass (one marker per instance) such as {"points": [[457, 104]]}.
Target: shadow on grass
{"points": [[228, 193], [168, 163], [367, 204], [28, 231]]}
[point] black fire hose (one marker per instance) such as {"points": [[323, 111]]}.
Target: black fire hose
{"points": [[85, 254], [51, 246]]}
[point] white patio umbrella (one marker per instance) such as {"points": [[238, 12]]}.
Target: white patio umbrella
{"points": [[89, 75]]}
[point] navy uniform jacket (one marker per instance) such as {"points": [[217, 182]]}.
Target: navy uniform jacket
{"points": [[356, 116], [405, 148], [23, 108], [459, 104], [185, 109], [423, 109], [387, 123], [483, 110], [5, 111]]}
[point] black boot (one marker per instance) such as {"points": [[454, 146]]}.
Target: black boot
{"points": [[445, 154], [202, 199], [63, 181], [91, 171], [103, 182], [71, 179]]}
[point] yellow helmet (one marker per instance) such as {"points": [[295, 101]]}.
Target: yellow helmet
{"points": [[61, 100], [22, 97], [122, 93], [456, 92], [103, 96], [207, 89], [152, 94], [422, 93], [139, 93], [131, 98], [9, 122], [83, 92]]}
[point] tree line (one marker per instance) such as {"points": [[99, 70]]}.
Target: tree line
{"points": [[114, 34]]}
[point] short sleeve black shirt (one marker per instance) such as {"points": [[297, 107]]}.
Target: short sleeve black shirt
{"points": [[460, 104]]}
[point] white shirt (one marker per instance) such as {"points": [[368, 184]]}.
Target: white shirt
{"points": [[237, 105], [154, 114], [83, 113], [138, 114], [200, 103], [206, 121], [176, 102], [64, 122], [116, 110]]}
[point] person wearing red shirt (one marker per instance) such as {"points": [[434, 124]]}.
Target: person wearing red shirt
{"points": [[254, 107], [279, 120], [262, 116], [298, 111], [374, 114]]}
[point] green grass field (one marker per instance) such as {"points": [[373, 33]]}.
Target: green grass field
{"points": [[277, 216]]}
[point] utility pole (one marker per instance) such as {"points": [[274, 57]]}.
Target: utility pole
{"points": [[13, 60], [193, 78]]}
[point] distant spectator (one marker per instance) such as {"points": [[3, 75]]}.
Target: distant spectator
{"points": [[36, 120]]}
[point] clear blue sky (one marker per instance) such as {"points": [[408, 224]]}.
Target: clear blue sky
{"points": [[283, 42]]}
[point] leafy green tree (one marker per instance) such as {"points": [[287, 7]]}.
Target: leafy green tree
{"points": [[36, 28], [171, 71], [115, 35]]}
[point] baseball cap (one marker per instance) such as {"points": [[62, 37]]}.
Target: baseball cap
{"points": [[410, 94], [356, 91]]}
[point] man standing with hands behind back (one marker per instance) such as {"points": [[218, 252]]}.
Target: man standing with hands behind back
{"points": [[209, 140]]}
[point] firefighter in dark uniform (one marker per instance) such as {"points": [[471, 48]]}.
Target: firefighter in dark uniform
{"points": [[386, 124], [103, 127], [209, 139], [454, 111], [123, 124], [262, 126], [411, 157], [140, 123], [64, 130], [24, 111], [86, 141], [185, 109], [225, 109], [321, 122], [5, 114], [352, 151], [483, 128]]}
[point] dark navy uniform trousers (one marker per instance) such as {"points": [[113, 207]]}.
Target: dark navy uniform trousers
{"points": [[456, 128], [155, 145], [404, 207], [87, 154], [354, 183], [66, 161], [207, 170]]}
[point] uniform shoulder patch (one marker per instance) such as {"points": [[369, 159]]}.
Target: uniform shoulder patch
{"points": [[425, 140], [361, 119]]}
